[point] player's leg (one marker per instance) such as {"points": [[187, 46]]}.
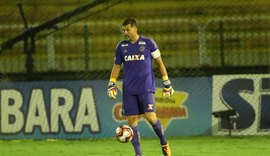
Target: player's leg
{"points": [[147, 101], [133, 123], [157, 127], [130, 109]]}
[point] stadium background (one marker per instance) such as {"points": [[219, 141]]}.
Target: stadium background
{"points": [[204, 45]]}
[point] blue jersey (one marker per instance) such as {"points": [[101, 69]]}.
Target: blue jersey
{"points": [[138, 75]]}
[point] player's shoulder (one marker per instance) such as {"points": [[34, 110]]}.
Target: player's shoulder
{"points": [[147, 39], [122, 43]]}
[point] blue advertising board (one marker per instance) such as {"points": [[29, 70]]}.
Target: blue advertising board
{"points": [[81, 109]]}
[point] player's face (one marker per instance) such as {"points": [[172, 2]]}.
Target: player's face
{"points": [[129, 32]]}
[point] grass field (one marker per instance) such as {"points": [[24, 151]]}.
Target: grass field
{"points": [[181, 146]]}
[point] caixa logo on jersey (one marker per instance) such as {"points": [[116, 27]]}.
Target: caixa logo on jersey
{"points": [[166, 109], [134, 57], [249, 96]]}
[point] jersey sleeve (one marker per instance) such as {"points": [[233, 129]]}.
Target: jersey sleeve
{"points": [[154, 49], [118, 55]]}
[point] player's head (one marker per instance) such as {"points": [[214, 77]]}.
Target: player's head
{"points": [[129, 28]]}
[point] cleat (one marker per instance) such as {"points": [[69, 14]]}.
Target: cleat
{"points": [[166, 150]]}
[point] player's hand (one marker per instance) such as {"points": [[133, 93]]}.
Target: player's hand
{"points": [[112, 90], [168, 90]]}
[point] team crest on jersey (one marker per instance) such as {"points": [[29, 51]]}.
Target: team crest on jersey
{"points": [[142, 48]]}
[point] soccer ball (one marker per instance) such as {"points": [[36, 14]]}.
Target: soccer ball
{"points": [[124, 133]]}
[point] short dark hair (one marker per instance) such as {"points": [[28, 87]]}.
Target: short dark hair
{"points": [[130, 21]]}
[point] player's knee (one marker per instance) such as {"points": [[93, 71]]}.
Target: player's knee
{"points": [[151, 118], [132, 121]]}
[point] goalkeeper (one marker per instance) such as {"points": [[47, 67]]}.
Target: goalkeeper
{"points": [[136, 53]]}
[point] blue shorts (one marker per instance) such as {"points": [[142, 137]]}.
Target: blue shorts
{"points": [[138, 104]]}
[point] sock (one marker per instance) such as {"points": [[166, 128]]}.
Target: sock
{"points": [[136, 141], [159, 132]]}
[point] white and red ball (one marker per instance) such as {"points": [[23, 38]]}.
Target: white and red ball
{"points": [[124, 133]]}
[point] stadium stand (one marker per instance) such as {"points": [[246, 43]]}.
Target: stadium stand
{"points": [[190, 35]]}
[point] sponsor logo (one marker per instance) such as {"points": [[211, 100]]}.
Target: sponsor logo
{"points": [[134, 57], [24, 111], [249, 96], [124, 45], [142, 43], [150, 107]]}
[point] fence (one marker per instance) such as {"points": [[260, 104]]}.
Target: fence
{"points": [[191, 39], [197, 39]]}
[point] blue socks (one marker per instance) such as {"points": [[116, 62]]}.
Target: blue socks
{"points": [[157, 127], [159, 132], [136, 141]]}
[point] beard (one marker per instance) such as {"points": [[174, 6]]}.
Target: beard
{"points": [[127, 38]]}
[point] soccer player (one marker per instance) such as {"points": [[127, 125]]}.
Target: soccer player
{"points": [[136, 53]]}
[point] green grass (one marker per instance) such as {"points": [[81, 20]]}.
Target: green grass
{"points": [[181, 146]]}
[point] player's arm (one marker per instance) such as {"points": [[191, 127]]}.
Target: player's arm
{"points": [[112, 91], [167, 86], [115, 72], [161, 68]]}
